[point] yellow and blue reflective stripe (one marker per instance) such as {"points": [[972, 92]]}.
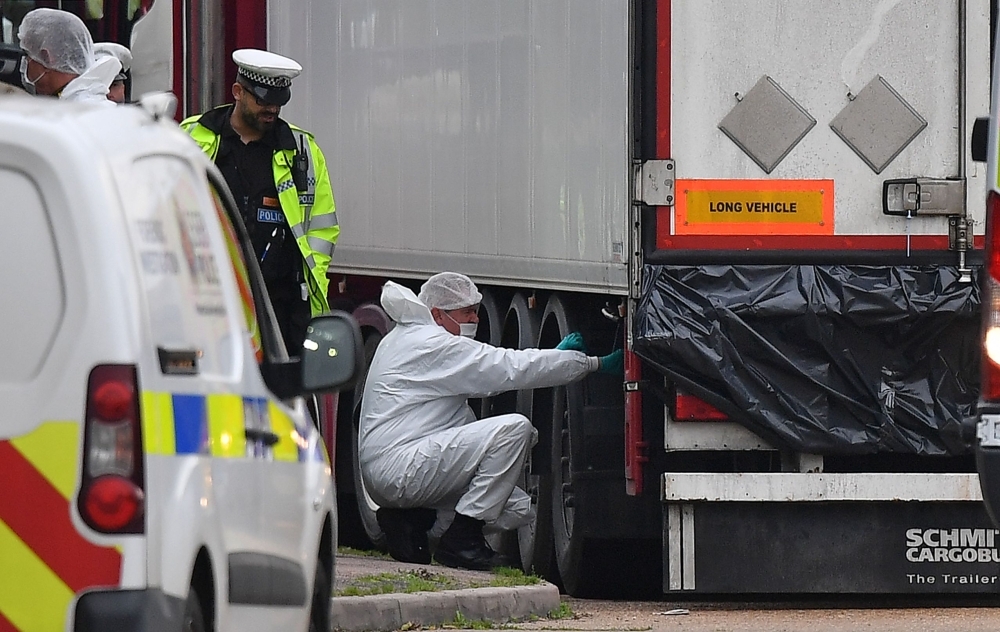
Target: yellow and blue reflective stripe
{"points": [[181, 423], [190, 424], [226, 432], [157, 423], [287, 448]]}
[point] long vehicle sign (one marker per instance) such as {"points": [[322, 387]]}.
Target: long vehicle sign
{"points": [[754, 207]]}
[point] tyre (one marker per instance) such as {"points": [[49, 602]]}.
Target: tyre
{"points": [[489, 331], [534, 541], [577, 560], [319, 609], [366, 507], [588, 566], [356, 510], [574, 571], [194, 619]]}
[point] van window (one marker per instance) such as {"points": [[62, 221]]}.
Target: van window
{"points": [[259, 317], [30, 280], [242, 276], [169, 214]]}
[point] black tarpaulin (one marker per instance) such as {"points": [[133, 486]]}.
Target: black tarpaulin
{"points": [[821, 359]]}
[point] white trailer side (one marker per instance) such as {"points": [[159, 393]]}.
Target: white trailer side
{"points": [[487, 137]]}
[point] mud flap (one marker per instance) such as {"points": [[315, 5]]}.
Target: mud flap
{"points": [[835, 547]]}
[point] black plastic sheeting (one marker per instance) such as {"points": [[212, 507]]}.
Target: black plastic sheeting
{"points": [[821, 359]]}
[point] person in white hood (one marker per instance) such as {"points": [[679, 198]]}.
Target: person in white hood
{"points": [[420, 446], [116, 91], [59, 58]]}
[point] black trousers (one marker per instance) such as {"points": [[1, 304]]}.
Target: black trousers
{"points": [[293, 317]]}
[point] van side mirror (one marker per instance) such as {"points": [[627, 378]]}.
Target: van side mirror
{"points": [[333, 354], [980, 139]]}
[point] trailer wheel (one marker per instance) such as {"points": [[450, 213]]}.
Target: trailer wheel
{"points": [[532, 544], [580, 563], [365, 505], [490, 328]]}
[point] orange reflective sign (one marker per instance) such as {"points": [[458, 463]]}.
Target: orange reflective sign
{"points": [[754, 207]]}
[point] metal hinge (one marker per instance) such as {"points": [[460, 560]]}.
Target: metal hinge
{"points": [[913, 197], [960, 233], [654, 183]]}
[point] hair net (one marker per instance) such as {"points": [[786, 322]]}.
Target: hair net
{"points": [[57, 39], [449, 290]]}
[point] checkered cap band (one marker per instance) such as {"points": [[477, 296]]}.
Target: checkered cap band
{"points": [[270, 82]]}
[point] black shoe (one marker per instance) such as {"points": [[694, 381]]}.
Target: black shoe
{"points": [[463, 546], [406, 533]]}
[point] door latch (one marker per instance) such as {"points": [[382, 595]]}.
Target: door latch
{"points": [[913, 197]]}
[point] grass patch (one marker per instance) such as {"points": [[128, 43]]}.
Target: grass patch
{"points": [[399, 582], [375, 553], [562, 612], [505, 577], [429, 579], [461, 622]]}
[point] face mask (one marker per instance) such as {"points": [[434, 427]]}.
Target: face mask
{"points": [[466, 330], [29, 85]]}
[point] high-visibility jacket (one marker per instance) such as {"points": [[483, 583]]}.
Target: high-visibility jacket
{"points": [[311, 214]]}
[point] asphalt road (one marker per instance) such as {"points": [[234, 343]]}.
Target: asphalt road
{"points": [[732, 617]]}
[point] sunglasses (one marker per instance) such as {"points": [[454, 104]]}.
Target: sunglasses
{"points": [[258, 92]]}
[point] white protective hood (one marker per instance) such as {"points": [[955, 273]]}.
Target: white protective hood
{"points": [[92, 86], [422, 375]]}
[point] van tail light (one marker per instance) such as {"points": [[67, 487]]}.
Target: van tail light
{"points": [[687, 407], [991, 303], [112, 490]]}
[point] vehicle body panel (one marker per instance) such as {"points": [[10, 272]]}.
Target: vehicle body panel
{"points": [[823, 54], [140, 266], [491, 138]]}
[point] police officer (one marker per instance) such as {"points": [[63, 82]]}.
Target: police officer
{"points": [[278, 177]]}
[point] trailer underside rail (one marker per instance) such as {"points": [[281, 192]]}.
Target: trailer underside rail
{"points": [[796, 487]]}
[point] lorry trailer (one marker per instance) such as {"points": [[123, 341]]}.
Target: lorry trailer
{"points": [[770, 204]]}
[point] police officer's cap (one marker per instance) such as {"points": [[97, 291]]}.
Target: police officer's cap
{"points": [[267, 75]]}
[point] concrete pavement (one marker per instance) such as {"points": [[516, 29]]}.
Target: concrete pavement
{"points": [[393, 610]]}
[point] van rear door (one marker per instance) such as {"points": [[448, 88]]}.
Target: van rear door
{"points": [[196, 408], [44, 557]]}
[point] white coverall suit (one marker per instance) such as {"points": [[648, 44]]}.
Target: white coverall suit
{"points": [[92, 85], [420, 444]]}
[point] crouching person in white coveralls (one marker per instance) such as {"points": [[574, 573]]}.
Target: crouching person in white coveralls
{"points": [[421, 447]]}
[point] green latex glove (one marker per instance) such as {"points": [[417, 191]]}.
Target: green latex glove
{"points": [[572, 342], [613, 363]]}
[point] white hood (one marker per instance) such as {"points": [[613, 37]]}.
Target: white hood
{"points": [[92, 86], [403, 306]]}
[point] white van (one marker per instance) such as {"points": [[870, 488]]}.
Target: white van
{"points": [[157, 467]]}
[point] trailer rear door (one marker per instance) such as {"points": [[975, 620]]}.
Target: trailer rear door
{"points": [[788, 119]]}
